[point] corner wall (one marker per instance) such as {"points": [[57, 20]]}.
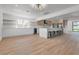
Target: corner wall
{"points": [[1, 18]]}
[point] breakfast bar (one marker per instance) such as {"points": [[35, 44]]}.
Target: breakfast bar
{"points": [[50, 32]]}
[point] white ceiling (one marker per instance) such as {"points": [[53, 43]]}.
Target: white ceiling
{"points": [[74, 15], [30, 12]]}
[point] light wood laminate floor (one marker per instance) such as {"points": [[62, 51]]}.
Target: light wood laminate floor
{"points": [[66, 44]]}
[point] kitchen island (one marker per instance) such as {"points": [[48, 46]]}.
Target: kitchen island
{"points": [[48, 32]]}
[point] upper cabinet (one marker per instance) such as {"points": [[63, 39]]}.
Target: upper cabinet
{"points": [[50, 22]]}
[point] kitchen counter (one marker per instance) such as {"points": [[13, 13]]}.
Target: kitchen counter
{"points": [[43, 32]]}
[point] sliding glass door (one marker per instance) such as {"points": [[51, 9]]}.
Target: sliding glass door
{"points": [[75, 26]]}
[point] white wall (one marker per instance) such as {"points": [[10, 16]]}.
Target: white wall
{"points": [[17, 31], [9, 31], [1, 17]]}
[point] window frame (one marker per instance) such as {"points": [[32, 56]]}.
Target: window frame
{"points": [[23, 25]]}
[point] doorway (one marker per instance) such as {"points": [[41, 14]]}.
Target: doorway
{"points": [[35, 30]]}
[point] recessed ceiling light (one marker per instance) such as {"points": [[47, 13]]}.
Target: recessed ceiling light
{"points": [[16, 5]]}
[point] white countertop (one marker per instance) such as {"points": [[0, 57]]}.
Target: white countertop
{"points": [[54, 29]]}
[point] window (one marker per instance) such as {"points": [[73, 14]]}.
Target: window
{"points": [[75, 26], [22, 23]]}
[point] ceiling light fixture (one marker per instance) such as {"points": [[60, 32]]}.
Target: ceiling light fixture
{"points": [[39, 6]]}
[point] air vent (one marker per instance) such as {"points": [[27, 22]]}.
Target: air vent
{"points": [[27, 11]]}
